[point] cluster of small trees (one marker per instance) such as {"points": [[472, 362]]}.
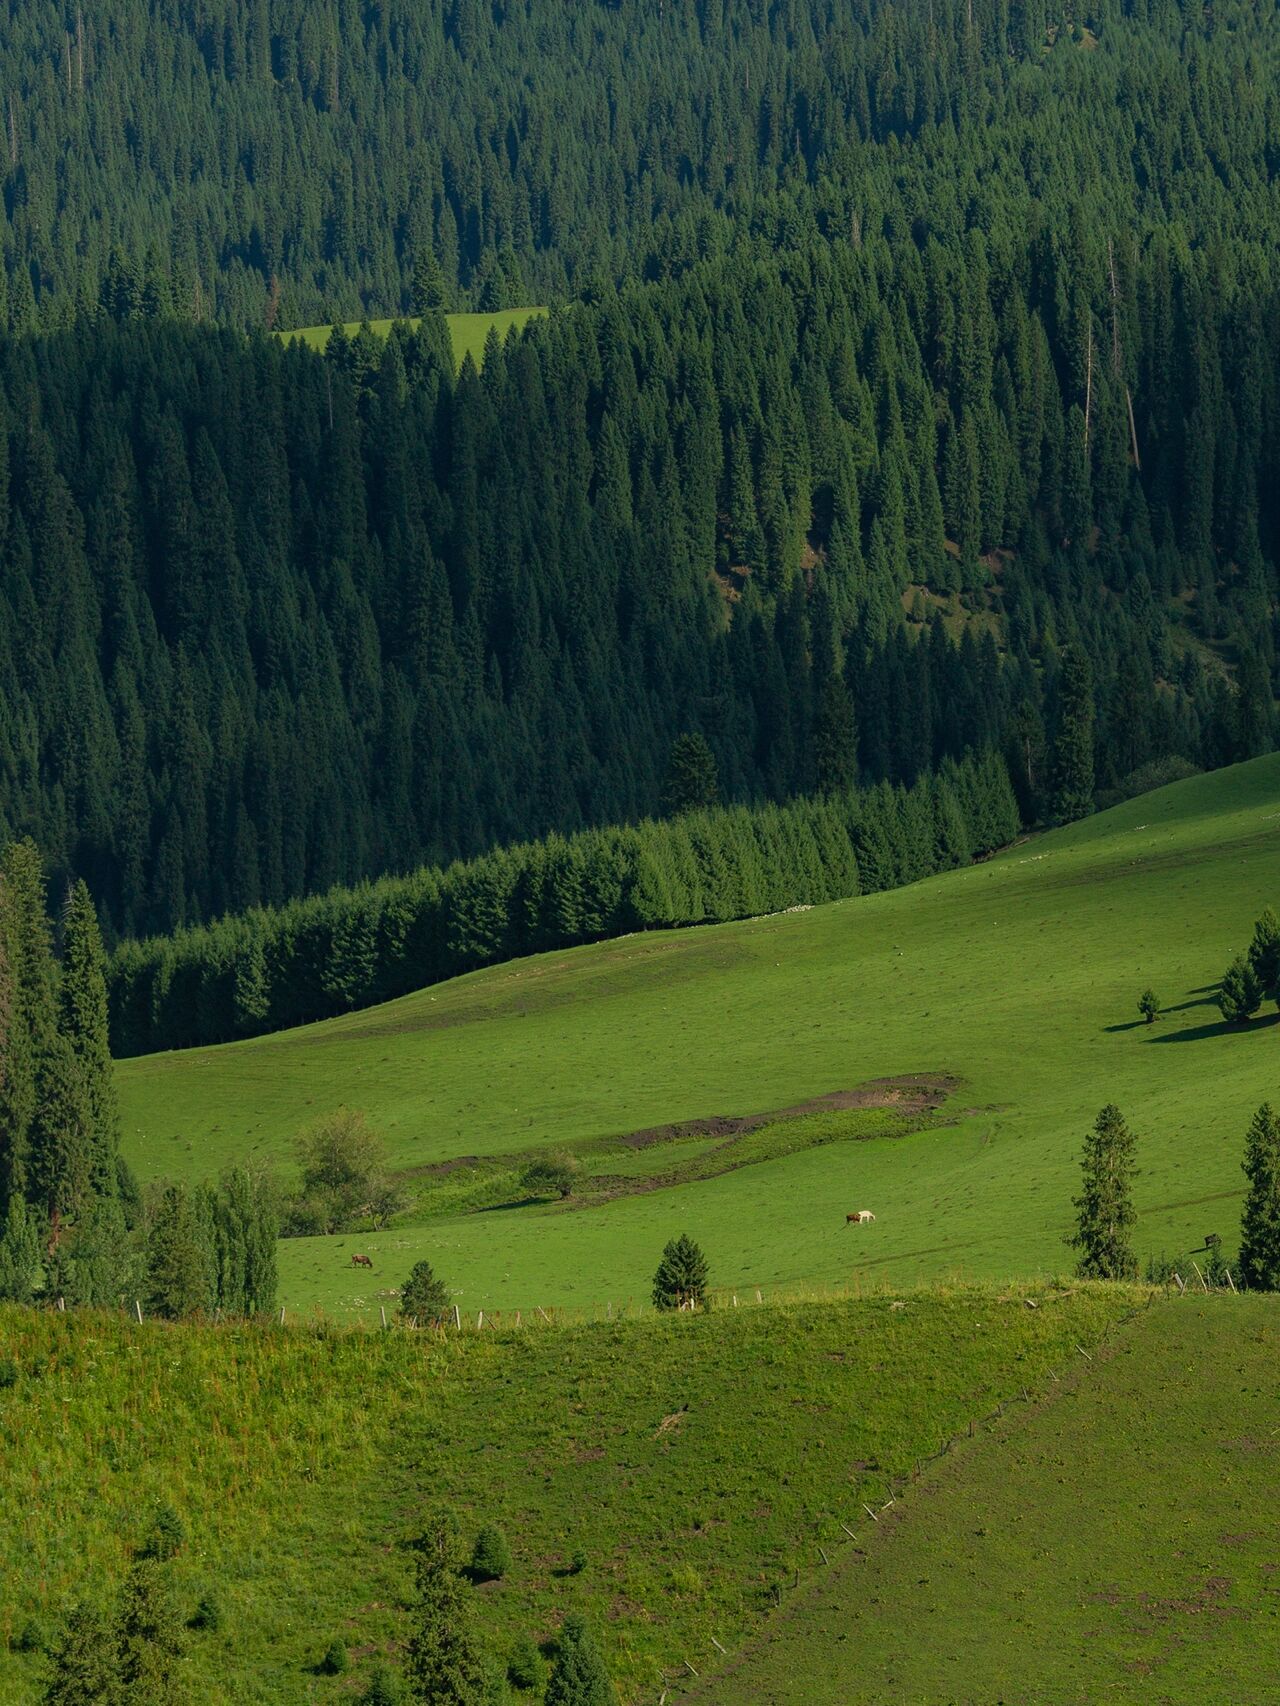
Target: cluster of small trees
{"points": [[1105, 1215], [74, 1224], [445, 1663], [345, 1181], [66, 1198], [133, 1652], [1253, 976], [351, 948]]}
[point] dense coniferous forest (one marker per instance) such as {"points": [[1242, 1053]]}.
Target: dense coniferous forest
{"points": [[272, 162], [920, 425], [272, 968]]}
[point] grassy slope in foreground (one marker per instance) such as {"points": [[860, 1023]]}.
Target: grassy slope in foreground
{"points": [[469, 331], [1020, 975], [1117, 1544], [698, 1461]]}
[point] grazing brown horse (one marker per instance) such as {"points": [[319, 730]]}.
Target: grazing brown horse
{"points": [[860, 1218], [361, 1262]]}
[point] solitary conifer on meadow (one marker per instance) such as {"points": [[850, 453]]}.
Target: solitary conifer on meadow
{"points": [[1260, 1221], [1104, 1207], [681, 1279]]}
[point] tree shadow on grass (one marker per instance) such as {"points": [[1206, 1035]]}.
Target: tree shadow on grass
{"points": [[1205, 1000], [1199, 1033]]}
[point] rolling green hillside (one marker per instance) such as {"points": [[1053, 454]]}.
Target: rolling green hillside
{"points": [[470, 331], [699, 1462], [1110, 1546], [1019, 977]]}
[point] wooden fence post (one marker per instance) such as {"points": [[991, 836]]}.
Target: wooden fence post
{"points": [[138, 1310], [457, 1318]]}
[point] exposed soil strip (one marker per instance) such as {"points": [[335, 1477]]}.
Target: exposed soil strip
{"points": [[916, 1093]]}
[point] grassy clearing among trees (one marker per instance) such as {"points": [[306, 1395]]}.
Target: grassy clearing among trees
{"points": [[1016, 976], [695, 1462], [470, 332]]}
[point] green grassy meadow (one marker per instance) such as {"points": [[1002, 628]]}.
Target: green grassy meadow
{"points": [[1018, 976], [700, 1462], [470, 332], [1115, 1544]]}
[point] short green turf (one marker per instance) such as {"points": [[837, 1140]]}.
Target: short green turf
{"points": [[1020, 975], [470, 332], [1118, 1544], [699, 1462]]}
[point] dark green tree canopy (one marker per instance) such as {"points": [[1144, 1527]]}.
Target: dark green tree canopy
{"points": [[1104, 1208], [681, 1279]]}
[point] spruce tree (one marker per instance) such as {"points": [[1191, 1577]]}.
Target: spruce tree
{"points": [[444, 1666], [1264, 955], [691, 776], [151, 1646], [1239, 993], [834, 739], [85, 1669], [681, 1279], [423, 1296], [580, 1677], [1073, 756], [82, 1001], [178, 1259], [1260, 1220], [1104, 1207], [19, 1254]]}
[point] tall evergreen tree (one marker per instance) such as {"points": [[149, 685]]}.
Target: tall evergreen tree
{"points": [[1259, 1262], [444, 1666], [1104, 1208], [1073, 745]]}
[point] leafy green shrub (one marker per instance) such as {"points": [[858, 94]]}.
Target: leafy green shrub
{"points": [[681, 1279], [552, 1175], [207, 1615], [1160, 1269], [8, 1372], [1149, 1005], [334, 1662], [578, 1562], [167, 1536], [491, 1556], [524, 1665], [424, 1297]]}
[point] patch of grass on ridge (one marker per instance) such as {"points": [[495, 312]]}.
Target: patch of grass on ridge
{"points": [[698, 1462]]}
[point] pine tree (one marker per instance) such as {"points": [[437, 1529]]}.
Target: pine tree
{"points": [[1239, 993], [1104, 1207], [85, 1662], [691, 776], [178, 1258], [681, 1279], [83, 1022], [1260, 1219], [423, 1296], [1073, 757], [19, 1254], [834, 741], [580, 1677], [444, 1666], [151, 1647], [1264, 955]]}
